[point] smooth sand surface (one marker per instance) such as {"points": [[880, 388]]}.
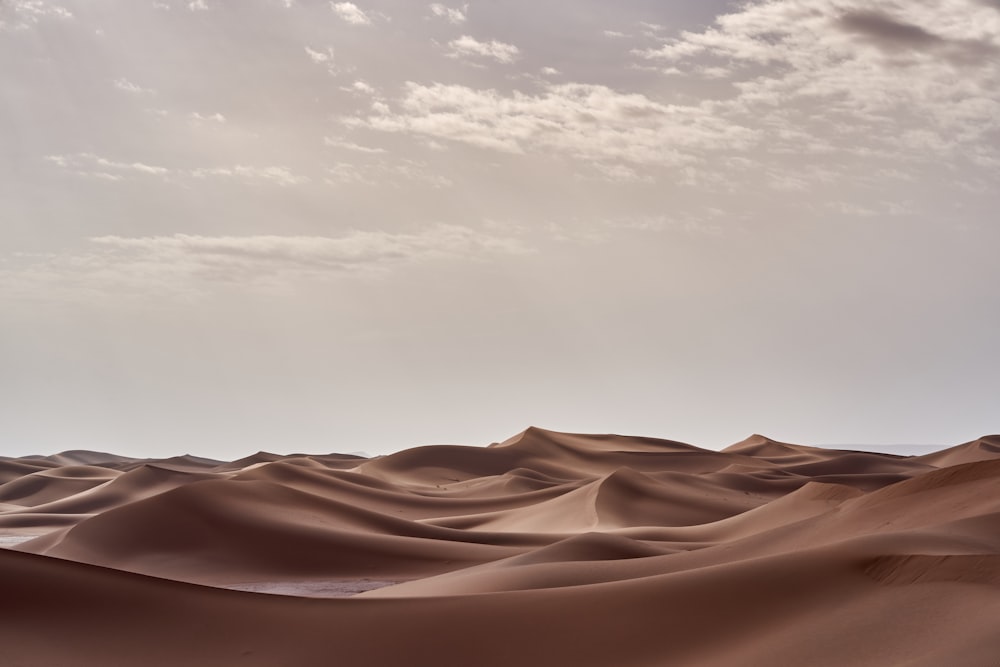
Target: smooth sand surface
{"points": [[546, 549]]}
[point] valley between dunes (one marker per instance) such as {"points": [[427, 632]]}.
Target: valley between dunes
{"points": [[546, 549]]}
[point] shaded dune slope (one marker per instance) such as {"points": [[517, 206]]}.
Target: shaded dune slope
{"points": [[818, 608]]}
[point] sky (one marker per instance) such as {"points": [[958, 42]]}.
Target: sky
{"points": [[304, 225]]}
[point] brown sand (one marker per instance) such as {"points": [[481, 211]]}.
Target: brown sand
{"points": [[546, 549]]}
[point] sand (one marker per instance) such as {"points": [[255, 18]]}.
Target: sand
{"points": [[546, 549]]}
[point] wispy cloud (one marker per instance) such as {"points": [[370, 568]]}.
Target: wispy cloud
{"points": [[129, 87], [580, 120], [384, 173], [21, 14], [359, 87], [188, 265], [325, 58], [454, 15], [909, 82], [96, 166], [276, 175], [901, 57], [338, 142], [320, 57], [207, 117], [351, 13], [466, 46], [354, 250], [101, 167]]}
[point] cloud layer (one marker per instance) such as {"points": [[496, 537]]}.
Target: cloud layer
{"points": [[186, 264]]}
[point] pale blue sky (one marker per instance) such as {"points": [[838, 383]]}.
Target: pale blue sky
{"points": [[301, 225]]}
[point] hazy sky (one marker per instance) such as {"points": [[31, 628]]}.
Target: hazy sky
{"points": [[231, 225]]}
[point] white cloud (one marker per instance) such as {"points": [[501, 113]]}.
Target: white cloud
{"points": [[320, 57], [359, 87], [385, 173], [357, 248], [28, 12], [208, 118], [706, 221], [351, 13], [90, 165], [584, 121], [901, 86], [916, 60], [326, 58], [276, 175], [189, 265], [466, 46], [198, 6], [451, 14], [335, 142], [619, 173], [129, 87]]}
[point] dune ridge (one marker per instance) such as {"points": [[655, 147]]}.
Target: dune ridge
{"points": [[545, 549]]}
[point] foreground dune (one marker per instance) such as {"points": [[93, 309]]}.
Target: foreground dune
{"points": [[546, 549]]}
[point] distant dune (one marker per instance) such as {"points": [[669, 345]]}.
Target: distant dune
{"points": [[545, 549]]}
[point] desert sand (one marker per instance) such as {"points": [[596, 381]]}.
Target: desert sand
{"points": [[546, 549]]}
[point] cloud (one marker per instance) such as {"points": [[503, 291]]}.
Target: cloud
{"points": [[325, 58], [585, 121], [350, 13], [359, 87], [336, 142], [207, 118], [385, 173], [191, 265], [884, 29], [356, 249], [619, 173], [129, 87], [19, 14], [96, 166], [320, 57], [198, 6], [893, 35], [453, 15], [276, 175], [88, 164], [912, 82], [466, 46], [804, 32]]}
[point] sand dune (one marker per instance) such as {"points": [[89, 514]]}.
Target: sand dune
{"points": [[983, 449], [44, 486], [545, 549]]}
